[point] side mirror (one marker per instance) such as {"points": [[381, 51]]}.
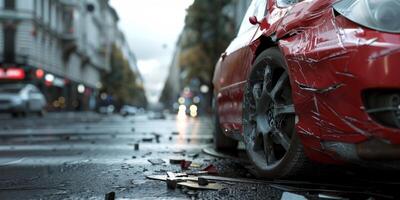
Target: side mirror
{"points": [[253, 20]]}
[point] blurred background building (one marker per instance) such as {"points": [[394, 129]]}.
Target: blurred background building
{"points": [[209, 27], [65, 47]]}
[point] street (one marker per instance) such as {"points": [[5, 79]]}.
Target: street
{"points": [[87, 155]]}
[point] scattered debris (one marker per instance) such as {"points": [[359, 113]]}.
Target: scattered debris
{"points": [[146, 154], [157, 137], [136, 146], [161, 171], [237, 180], [195, 165], [133, 157], [175, 133], [170, 138], [176, 161], [292, 196], [110, 196], [185, 164], [195, 185], [172, 183], [328, 196], [133, 129], [178, 178], [202, 181], [147, 139], [197, 173], [211, 169], [156, 161]]}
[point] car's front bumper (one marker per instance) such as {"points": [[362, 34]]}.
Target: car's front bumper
{"points": [[330, 68]]}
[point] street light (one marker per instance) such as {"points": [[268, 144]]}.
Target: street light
{"points": [[81, 88]]}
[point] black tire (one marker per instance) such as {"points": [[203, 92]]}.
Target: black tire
{"points": [[269, 120], [221, 141]]}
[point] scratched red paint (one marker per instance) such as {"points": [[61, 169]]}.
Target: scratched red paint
{"points": [[322, 49]]}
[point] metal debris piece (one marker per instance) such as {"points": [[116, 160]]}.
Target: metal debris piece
{"points": [[176, 160], [292, 196], [185, 164], [195, 165], [237, 180], [172, 183], [175, 133], [195, 185], [211, 169], [147, 139], [171, 175], [328, 196], [202, 181], [136, 146], [197, 173], [110, 196], [178, 178], [156, 161], [158, 138], [146, 154]]}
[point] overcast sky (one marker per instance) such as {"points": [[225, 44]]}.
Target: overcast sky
{"points": [[152, 28]]}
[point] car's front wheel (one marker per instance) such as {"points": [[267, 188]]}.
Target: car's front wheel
{"points": [[269, 119]]}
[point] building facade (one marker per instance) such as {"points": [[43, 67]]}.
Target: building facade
{"points": [[63, 46]]}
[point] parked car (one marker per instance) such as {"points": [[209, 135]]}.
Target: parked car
{"points": [[127, 110], [20, 99], [312, 81]]}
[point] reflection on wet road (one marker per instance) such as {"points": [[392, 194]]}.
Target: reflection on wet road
{"points": [[86, 155]]}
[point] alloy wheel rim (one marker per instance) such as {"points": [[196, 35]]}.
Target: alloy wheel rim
{"points": [[270, 116]]}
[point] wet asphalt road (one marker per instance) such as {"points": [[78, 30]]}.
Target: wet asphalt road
{"points": [[86, 155]]}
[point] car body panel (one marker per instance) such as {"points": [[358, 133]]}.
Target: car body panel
{"points": [[331, 61]]}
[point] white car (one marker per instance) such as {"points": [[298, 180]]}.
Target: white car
{"points": [[21, 99], [128, 110]]}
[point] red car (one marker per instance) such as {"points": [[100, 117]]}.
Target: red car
{"points": [[312, 80]]}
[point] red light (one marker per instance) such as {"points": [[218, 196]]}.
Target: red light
{"points": [[12, 73], [39, 73]]}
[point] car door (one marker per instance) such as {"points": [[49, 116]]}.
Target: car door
{"points": [[235, 63]]}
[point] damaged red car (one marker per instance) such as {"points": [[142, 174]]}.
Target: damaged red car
{"points": [[312, 81]]}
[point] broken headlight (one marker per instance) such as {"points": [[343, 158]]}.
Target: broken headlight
{"points": [[382, 15]]}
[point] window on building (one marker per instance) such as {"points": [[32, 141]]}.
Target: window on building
{"points": [[9, 4]]}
